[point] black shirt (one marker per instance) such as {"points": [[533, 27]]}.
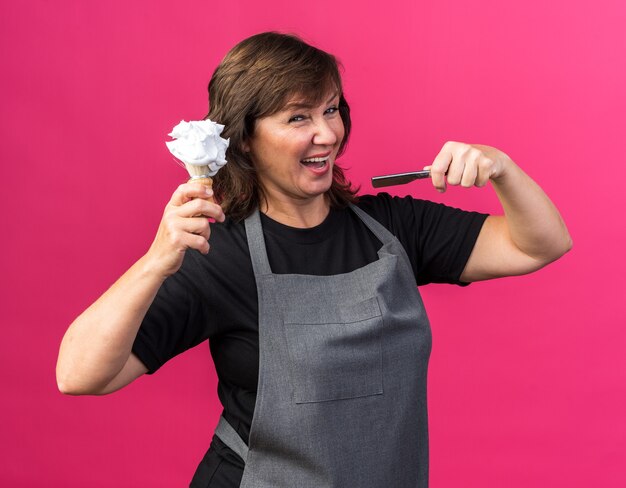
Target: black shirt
{"points": [[214, 296]]}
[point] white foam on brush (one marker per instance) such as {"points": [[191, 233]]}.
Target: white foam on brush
{"points": [[198, 143]]}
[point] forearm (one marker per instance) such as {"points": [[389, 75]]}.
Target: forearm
{"points": [[533, 222], [98, 344]]}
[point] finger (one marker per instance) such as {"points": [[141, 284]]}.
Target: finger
{"points": [[469, 175], [200, 207], [199, 243], [470, 171], [178, 233], [440, 166], [196, 225], [189, 191], [485, 170], [457, 167]]}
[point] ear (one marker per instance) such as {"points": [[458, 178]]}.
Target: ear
{"points": [[245, 146]]}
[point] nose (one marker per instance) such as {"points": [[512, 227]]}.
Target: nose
{"points": [[325, 133]]}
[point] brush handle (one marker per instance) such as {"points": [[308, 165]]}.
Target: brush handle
{"points": [[207, 182]]}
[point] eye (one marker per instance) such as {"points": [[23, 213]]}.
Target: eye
{"points": [[332, 110], [296, 118]]}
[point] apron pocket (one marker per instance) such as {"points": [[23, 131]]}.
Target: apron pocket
{"points": [[338, 359]]}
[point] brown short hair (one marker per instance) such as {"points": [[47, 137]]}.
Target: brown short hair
{"points": [[254, 80]]}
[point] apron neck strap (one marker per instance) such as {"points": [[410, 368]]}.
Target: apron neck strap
{"points": [[256, 244], [380, 231]]}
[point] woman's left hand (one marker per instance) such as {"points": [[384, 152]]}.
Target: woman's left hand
{"points": [[531, 232], [467, 165]]}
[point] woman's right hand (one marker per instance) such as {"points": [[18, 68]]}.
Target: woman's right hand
{"points": [[185, 225]]}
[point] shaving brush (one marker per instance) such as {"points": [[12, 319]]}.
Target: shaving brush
{"points": [[200, 174], [198, 145]]}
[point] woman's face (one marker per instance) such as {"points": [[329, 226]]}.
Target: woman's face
{"points": [[294, 150]]}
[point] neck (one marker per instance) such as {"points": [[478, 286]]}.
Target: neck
{"points": [[301, 214]]}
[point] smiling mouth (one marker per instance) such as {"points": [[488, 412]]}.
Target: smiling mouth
{"points": [[315, 163]]}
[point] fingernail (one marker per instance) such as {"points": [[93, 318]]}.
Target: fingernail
{"points": [[208, 192]]}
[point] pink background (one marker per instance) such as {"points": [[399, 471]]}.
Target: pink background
{"points": [[528, 377]]}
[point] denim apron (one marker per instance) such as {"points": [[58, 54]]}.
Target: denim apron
{"points": [[341, 399]]}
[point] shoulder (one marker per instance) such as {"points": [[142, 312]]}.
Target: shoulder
{"points": [[396, 212], [387, 207]]}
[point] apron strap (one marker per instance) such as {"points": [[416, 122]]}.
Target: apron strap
{"points": [[256, 244], [379, 230], [228, 435]]}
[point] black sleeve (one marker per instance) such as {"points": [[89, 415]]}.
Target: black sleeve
{"points": [[176, 320], [437, 238]]}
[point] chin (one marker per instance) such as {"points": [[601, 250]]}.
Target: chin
{"points": [[320, 190]]}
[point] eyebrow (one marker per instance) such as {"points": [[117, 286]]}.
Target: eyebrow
{"points": [[302, 104]]}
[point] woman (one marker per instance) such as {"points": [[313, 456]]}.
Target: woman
{"points": [[310, 303]]}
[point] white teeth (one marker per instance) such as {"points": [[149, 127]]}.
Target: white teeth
{"points": [[315, 160]]}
